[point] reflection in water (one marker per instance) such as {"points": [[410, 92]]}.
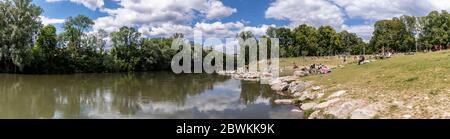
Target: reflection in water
{"points": [[137, 95]]}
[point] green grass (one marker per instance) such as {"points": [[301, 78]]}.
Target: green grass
{"points": [[422, 72], [307, 113]]}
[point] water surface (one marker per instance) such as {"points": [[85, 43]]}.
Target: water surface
{"points": [[137, 95]]}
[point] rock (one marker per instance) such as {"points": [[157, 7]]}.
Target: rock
{"points": [[343, 110], [307, 96], [298, 86], [407, 116], [319, 95], [366, 112], [275, 81], [300, 73], [280, 86], [337, 94], [308, 106], [288, 79], [326, 104], [297, 94], [315, 115], [409, 107], [446, 115], [297, 110], [316, 88], [284, 101]]}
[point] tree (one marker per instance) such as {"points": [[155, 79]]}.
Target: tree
{"points": [[74, 28], [47, 38], [125, 47], [436, 28], [329, 41], [305, 41], [351, 43], [19, 23]]}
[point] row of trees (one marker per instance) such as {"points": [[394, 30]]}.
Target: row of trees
{"points": [[26, 46], [410, 33], [308, 41]]}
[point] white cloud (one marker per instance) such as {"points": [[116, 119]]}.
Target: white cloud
{"points": [[364, 31], [46, 20], [217, 10], [337, 12], [91, 4], [156, 18], [313, 12]]}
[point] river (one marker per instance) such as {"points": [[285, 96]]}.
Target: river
{"points": [[155, 95]]}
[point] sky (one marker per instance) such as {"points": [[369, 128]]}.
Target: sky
{"points": [[225, 18]]}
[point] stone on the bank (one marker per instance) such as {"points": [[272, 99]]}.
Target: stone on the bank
{"points": [[297, 94], [319, 95], [343, 110], [316, 88], [298, 86], [308, 106], [300, 73], [284, 101], [407, 116], [307, 96], [296, 110], [315, 115], [280, 86], [326, 104], [337, 94], [366, 112], [275, 81], [288, 79]]}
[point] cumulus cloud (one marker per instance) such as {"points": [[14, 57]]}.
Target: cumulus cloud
{"points": [[91, 4], [46, 20], [313, 12], [336, 13], [155, 18], [364, 31]]}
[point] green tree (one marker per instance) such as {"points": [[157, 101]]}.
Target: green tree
{"points": [[305, 41], [329, 42], [19, 23], [125, 47], [74, 30]]}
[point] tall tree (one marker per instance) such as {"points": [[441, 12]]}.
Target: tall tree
{"points": [[74, 30], [19, 23], [329, 41], [305, 41], [125, 47]]}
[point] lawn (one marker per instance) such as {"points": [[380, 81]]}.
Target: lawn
{"points": [[415, 85]]}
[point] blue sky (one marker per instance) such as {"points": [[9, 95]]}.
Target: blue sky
{"points": [[225, 18]]}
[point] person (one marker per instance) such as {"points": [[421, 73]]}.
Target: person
{"points": [[361, 60]]}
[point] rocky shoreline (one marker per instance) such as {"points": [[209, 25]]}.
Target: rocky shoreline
{"points": [[313, 101]]}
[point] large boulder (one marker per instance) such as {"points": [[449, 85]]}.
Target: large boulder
{"points": [[300, 73], [307, 96], [367, 112], [337, 94], [284, 101], [298, 86], [326, 104], [343, 110], [280, 87], [288, 79], [308, 106]]}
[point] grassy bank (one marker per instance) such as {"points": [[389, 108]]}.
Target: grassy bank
{"points": [[416, 85]]}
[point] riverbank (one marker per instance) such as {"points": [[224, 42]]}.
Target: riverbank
{"points": [[402, 87]]}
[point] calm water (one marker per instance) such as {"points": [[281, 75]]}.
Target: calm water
{"points": [[137, 95]]}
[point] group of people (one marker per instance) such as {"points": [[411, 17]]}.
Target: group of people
{"points": [[315, 69]]}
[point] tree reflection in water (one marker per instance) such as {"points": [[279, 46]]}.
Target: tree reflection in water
{"points": [[134, 95]]}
